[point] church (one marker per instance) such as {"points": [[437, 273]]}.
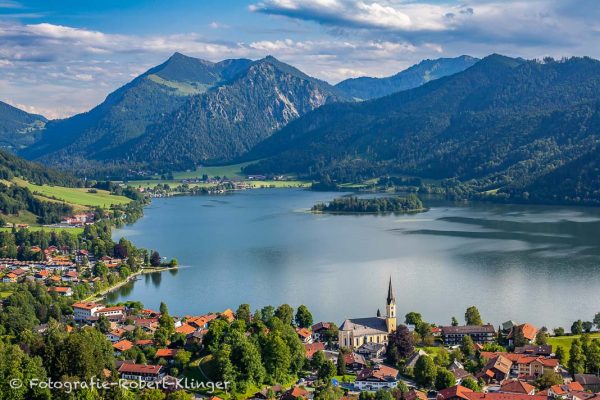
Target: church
{"points": [[355, 332]]}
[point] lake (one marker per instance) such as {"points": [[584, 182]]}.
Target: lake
{"points": [[537, 264]]}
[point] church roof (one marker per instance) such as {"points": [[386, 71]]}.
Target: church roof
{"points": [[390, 297], [365, 326]]}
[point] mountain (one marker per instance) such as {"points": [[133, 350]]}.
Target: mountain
{"points": [[365, 88], [18, 128], [183, 112], [503, 125], [127, 112]]}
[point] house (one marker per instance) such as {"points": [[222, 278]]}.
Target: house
{"points": [[544, 350], [311, 348], [112, 313], [70, 276], [453, 335], [457, 392], [186, 329], [304, 335], [530, 368], [354, 361], [85, 311], [144, 343], [122, 346], [529, 332], [41, 275], [115, 335], [517, 386], [353, 333], [10, 278], [413, 394], [378, 377], [564, 389], [64, 291], [371, 350], [202, 321], [318, 330], [166, 353], [459, 372], [264, 393], [295, 393], [590, 382], [496, 370], [143, 372], [228, 315], [502, 396], [411, 361]]}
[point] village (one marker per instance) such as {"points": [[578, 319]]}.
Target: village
{"points": [[379, 354]]}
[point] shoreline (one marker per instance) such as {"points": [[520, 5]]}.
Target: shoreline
{"points": [[131, 278]]}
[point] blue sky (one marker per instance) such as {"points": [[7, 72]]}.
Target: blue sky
{"points": [[62, 57]]}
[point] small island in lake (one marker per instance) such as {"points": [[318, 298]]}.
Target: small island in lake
{"points": [[353, 204]]}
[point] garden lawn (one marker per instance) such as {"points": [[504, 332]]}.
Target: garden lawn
{"points": [[565, 343]]}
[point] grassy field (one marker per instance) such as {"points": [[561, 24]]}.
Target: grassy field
{"points": [[230, 171], [4, 294], [565, 342], [74, 196], [74, 231]]}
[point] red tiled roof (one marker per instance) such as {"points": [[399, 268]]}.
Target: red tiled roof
{"points": [[454, 391], [123, 345], [85, 306], [303, 332], [517, 386], [185, 329], [166, 353], [529, 331], [140, 369], [312, 348], [502, 396], [563, 389]]}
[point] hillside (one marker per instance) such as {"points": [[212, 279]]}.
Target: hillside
{"points": [[33, 194], [183, 112], [18, 128], [503, 124], [365, 88]]}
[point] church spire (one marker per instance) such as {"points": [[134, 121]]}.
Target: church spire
{"points": [[390, 297]]}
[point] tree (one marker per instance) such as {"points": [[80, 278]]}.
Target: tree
{"points": [[277, 358], [597, 320], [413, 318], [103, 324], [467, 347], [152, 394], [444, 379], [454, 321], [541, 338], [400, 344], [471, 384], [592, 357], [547, 379], [341, 364], [155, 259], [183, 357], [577, 327], [327, 371], [180, 395], [243, 313], [587, 326], [425, 371], [472, 316], [577, 360], [285, 313], [317, 359], [560, 331], [518, 336], [304, 318], [560, 354]]}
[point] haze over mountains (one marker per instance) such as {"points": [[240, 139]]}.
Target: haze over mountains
{"points": [[365, 88]]}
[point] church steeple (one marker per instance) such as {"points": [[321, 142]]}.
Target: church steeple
{"points": [[390, 308], [390, 297]]}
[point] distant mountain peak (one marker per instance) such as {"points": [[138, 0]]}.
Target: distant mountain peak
{"points": [[365, 88]]}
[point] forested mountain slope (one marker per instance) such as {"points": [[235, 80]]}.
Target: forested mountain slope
{"points": [[502, 124], [18, 128]]}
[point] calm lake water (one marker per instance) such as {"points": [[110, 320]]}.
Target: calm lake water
{"points": [[526, 263]]}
